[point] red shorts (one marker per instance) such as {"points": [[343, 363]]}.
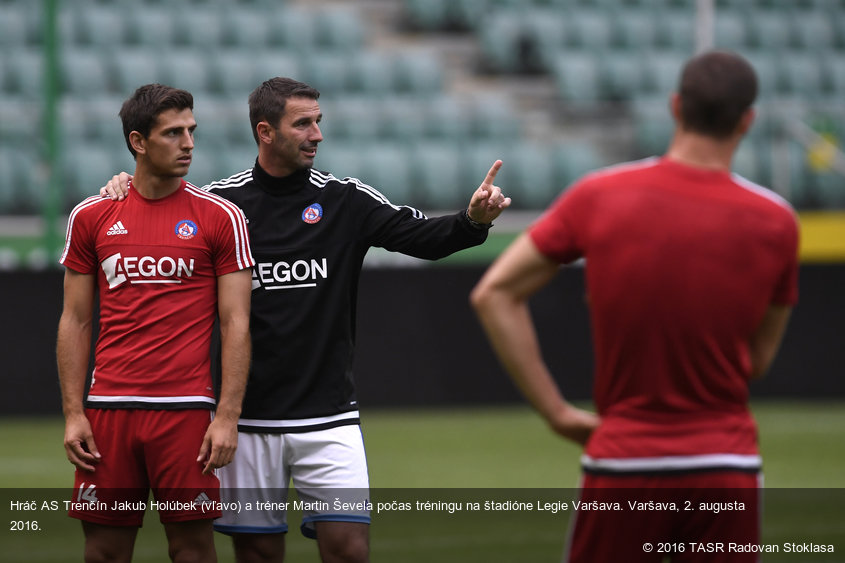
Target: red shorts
{"points": [[700, 517], [143, 450]]}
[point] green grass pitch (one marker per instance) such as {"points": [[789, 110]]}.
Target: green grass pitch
{"points": [[459, 455]]}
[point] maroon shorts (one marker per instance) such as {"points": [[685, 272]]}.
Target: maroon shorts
{"points": [[145, 450], [700, 517]]}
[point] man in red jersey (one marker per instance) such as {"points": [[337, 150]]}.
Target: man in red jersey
{"points": [[691, 273], [165, 261]]}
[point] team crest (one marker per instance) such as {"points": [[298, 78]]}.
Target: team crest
{"points": [[186, 229], [312, 213]]}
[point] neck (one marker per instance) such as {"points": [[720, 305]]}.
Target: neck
{"points": [[151, 186], [703, 152], [274, 166]]}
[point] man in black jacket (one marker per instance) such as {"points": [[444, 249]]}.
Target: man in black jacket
{"points": [[309, 233]]}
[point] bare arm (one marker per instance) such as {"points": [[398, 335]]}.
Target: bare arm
{"points": [[72, 354], [501, 302], [233, 302], [765, 342]]}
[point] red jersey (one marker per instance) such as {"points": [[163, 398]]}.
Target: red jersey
{"points": [[681, 265], [157, 263]]}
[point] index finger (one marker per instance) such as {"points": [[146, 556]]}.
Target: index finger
{"points": [[491, 174]]}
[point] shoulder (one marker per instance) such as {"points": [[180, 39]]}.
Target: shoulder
{"points": [[348, 186], [611, 175], [237, 180], [90, 207], [212, 202], [764, 196]]}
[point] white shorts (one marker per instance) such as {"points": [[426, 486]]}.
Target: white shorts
{"points": [[328, 469]]}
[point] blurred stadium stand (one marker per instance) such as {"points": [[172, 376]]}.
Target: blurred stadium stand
{"points": [[420, 96]]}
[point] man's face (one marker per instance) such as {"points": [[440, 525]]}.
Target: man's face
{"points": [[171, 143], [297, 134]]}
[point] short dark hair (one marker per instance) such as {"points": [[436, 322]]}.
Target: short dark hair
{"points": [[715, 89], [140, 111], [267, 101]]}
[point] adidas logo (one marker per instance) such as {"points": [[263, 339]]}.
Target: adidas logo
{"points": [[117, 229], [202, 498]]}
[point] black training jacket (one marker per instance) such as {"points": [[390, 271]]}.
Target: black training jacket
{"points": [[309, 233]]}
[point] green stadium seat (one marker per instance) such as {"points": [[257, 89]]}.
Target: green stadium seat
{"points": [[17, 118], [467, 14], [341, 159], [418, 73], [532, 174], [498, 36], [293, 28], [446, 118], [833, 70], [326, 71], [676, 30], [8, 181], [338, 28], [13, 26], [813, 30], [85, 72], [730, 30], [400, 118], [131, 67], [439, 176], [387, 168], [188, 69], [491, 117], [661, 71], [769, 30], [635, 28], [151, 27], [765, 65], [590, 29], [572, 160], [653, 125], [425, 14], [623, 75], [747, 163], [229, 161], [349, 119], [248, 29], [270, 63], [543, 34], [87, 166], [578, 77], [801, 75], [25, 72], [100, 26], [371, 73], [200, 28], [26, 190]]}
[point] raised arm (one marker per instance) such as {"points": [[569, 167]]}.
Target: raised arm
{"points": [[233, 302], [72, 354], [501, 302]]}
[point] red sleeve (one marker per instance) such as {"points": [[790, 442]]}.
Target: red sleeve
{"points": [[559, 233], [79, 253]]}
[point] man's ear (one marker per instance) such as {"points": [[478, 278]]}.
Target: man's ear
{"points": [[746, 121], [266, 133], [138, 142], [675, 107]]}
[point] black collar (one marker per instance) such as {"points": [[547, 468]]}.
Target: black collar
{"points": [[276, 185]]}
